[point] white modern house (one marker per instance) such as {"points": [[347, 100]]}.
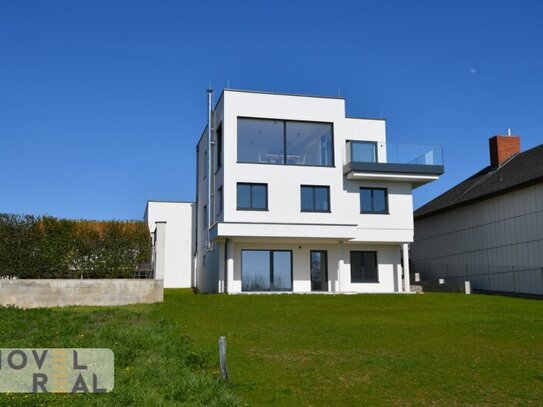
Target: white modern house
{"points": [[293, 196]]}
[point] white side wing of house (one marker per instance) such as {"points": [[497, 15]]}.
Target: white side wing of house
{"points": [[179, 240]]}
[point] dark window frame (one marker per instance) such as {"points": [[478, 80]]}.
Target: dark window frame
{"points": [[327, 187], [205, 216], [385, 212], [219, 147], [220, 200], [352, 142], [251, 208], [365, 281], [285, 153], [271, 252], [206, 164]]}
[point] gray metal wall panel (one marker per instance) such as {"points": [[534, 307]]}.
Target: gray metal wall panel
{"points": [[503, 232]]}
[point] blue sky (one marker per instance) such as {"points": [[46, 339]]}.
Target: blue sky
{"points": [[101, 102]]}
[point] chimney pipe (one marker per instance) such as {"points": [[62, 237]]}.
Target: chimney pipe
{"points": [[209, 164]]}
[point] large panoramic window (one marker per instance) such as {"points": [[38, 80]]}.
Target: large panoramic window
{"points": [[261, 141], [315, 198], [373, 200], [364, 267], [309, 143], [265, 141], [363, 151], [266, 270], [252, 197]]}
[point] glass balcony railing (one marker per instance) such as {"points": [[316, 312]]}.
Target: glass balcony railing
{"points": [[413, 154], [391, 153]]}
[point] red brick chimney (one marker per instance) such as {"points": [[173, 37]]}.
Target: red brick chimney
{"points": [[503, 147]]}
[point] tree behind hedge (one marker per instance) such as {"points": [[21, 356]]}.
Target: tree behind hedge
{"points": [[47, 247]]}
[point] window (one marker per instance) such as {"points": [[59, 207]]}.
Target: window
{"points": [[219, 200], [204, 221], [252, 197], [309, 143], [319, 270], [266, 270], [364, 267], [261, 141], [315, 198], [205, 164], [364, 151], [218, 140], [266, 141], [373, 200]]}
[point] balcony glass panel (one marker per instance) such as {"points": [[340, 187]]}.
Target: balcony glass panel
{"points": [[414, 154], [420, 154]]}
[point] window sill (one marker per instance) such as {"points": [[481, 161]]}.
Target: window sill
{"points": [[288, 165], [375, 213], [365, 282], [252, 209], [310, 211]]}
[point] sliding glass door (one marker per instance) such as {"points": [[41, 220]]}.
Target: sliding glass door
{"points": [[319, 270], [266, 270]]}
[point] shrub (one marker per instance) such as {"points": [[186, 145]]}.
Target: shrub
{"points": [[47, 247]]}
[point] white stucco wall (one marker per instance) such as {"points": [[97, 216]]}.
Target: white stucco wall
{"points": [[388, 257], [179, 239], [284, 180]]}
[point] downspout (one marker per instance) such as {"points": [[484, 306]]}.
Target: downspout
{"points": [[195, 224], [209, 163]]}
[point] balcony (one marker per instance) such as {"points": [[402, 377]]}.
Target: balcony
{"points": [[418, 164]]}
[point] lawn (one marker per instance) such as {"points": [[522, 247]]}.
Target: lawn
{"points": [[287, 350], [154, 363]]}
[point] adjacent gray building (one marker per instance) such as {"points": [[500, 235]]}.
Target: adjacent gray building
{"points": [[489, 228]]}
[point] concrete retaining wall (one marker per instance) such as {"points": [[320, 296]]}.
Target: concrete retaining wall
{"points": [[59, 293]]}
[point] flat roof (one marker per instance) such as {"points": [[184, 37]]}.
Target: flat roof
{"points": [[281, 94], [161, 201]]}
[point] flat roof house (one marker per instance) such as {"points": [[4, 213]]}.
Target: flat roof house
{"points": [[293, 196], [489, 228]]}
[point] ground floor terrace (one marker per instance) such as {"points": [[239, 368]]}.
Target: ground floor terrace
{"points": [[238, 266]]}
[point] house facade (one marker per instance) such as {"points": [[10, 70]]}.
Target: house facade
{"points": [[489, 228], [293, 196]]}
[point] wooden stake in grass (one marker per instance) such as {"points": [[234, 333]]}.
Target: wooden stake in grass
{"points": [[222, 357]]}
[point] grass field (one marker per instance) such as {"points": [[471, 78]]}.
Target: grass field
{"points": [[154, 363], [288, 350]]}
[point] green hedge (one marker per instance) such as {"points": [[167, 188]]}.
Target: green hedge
{"points": [[47, 247]]}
